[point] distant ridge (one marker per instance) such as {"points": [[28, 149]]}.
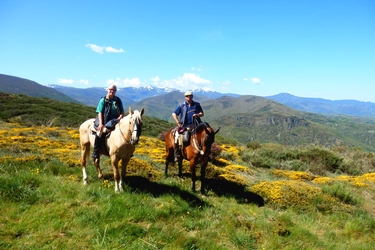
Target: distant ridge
{"points": [[17, 85], [134, 96], [244, 118], [324, 106]]}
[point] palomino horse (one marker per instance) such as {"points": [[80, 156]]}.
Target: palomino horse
{"points": [[119, 145], [196, 151]]}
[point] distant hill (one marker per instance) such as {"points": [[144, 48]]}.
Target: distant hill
{"points": [[136, 95], [254, 118], [323, 106], [91, 96], [17, 85], [32, 111], [162, 106], [129, 95]]}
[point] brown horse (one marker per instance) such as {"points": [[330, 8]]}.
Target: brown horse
{"points": [[118, 145], [196, 151]]}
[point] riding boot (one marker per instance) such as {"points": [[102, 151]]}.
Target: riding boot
{"points": [[176, 152], [97, 146]]}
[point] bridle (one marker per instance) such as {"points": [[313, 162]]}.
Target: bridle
{"points": [[137, 129], [204, 140]]}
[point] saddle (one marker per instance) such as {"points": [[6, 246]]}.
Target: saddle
{"points": [[105, 131], [183, 136], [108, 127]]}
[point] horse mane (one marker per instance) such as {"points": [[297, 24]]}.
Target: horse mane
{"points": [[200, 126], [138, 116]]}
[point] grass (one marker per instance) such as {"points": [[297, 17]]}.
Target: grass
{"points": [[45, 205]]}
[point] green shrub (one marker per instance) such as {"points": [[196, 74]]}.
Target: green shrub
{"points": [[253, 145], [228, 156], [20, 189], [322, 160], [341, 191]]}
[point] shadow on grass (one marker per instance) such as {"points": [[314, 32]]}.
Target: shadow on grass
{"points": [[232, 189], [217, 186], [142, 184]]}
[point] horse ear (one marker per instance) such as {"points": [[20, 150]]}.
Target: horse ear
{"points": [[142, 111], [217, 131], [130, 110]]}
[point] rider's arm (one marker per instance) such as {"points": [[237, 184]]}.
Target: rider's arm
{"points": [[175, 118]]}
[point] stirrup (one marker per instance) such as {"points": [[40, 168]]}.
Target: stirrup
{"points": [[95, 156]]}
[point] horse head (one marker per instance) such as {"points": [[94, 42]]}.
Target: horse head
{"points": [[206, 136], [135, 125]]}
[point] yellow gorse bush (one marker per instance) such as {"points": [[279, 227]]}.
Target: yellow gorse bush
{"points": [[43, 144], [356, 181], [294, 175], [287, 193]]}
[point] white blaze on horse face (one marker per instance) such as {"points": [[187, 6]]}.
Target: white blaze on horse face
{"points": [[134, 138]]}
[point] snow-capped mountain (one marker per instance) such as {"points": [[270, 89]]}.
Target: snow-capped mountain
{"points": [[129, 95]]}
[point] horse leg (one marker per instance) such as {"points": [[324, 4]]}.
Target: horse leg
{"points": [[124, 164], [85, 151], [166, 168], [116, 175], [167, 160], [97, 165], [180, 167], [203, 176], [193, 175]]}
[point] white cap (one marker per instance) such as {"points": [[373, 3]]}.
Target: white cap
{"points": [[188, 93]]}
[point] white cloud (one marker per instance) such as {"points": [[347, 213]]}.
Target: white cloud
{"points": [[155, 80], [127, 82], [95, 48], [71, 81], [102, 49], [245, 79], [113, 50], [185, 82], [65, 81], [256, 80]]}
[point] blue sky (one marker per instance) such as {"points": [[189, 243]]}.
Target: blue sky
{"points": [[315, 48]]}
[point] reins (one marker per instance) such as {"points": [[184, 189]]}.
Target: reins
{"points": [[196, 145], [123, 136], [130, 132]]}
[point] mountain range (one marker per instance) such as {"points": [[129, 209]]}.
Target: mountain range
{"points": [[17, 85], [132, 95], [283, 118]]}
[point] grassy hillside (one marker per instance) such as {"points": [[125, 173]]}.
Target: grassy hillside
{"points": [[17, 85], [252, 118], [262, 196], [258, 119], [32, 111]]}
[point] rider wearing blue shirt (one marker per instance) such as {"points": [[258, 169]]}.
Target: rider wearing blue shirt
{"points": [[188, 110]]}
